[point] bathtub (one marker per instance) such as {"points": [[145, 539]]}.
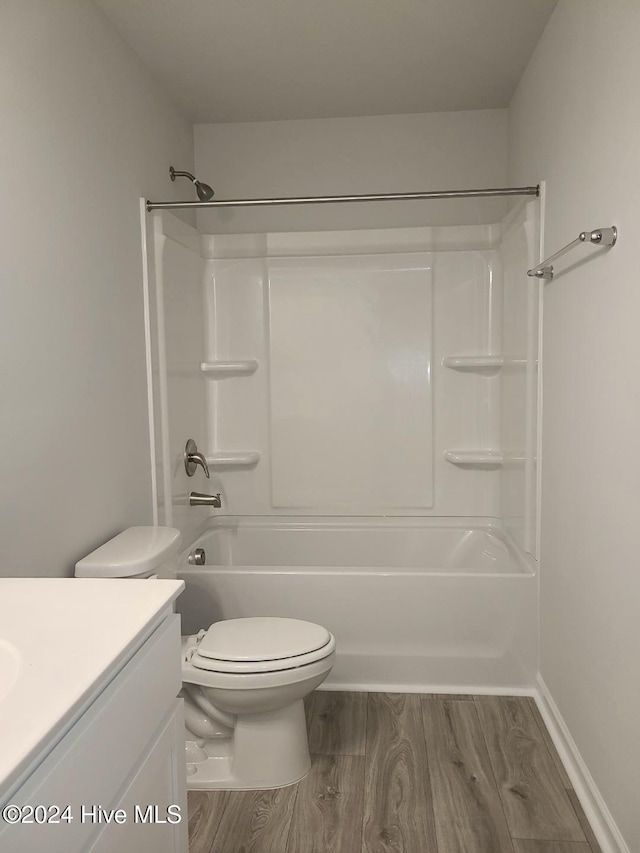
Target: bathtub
{"points": [[415, 604]]}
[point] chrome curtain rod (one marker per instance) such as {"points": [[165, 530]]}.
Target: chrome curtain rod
{"points": [[599, 237], [340, 199]]}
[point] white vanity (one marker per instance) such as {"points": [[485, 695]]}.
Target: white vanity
{"points": [[91, 731]]}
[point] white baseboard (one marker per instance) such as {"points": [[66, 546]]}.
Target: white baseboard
{"points": [[601, 820]]}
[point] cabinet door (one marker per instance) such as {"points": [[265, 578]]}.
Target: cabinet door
{"points": [[158, 783]]}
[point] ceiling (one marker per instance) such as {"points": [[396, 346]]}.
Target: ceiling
{"points": [[257, 60]]}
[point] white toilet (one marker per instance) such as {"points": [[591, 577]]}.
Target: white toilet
{"points": [[243, 679]]}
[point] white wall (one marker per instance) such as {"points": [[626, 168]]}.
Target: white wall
{"points": [[575, 122], [374, 154], [85, 132]]}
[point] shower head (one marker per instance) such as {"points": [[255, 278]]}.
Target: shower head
{"points": [[204, 191]]}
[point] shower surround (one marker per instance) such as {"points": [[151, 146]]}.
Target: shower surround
{"points": [[367, 403]]}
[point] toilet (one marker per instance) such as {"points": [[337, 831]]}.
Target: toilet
{"points": [[244, 680]]}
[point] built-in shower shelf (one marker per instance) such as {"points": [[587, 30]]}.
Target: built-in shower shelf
{"points": [[220, 369], [233, 458], [469, 458], [474, 363]]}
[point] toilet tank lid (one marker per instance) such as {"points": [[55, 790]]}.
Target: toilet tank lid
{"points": [[135, 551]]}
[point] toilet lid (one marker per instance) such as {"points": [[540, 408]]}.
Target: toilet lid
{"points": [[261, 644], [261, 638]]}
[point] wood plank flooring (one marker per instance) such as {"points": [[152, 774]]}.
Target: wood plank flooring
{"points": [[328, 811], [398, 809], [338, 724], [535, 802], [407, 773], [467, 809]]}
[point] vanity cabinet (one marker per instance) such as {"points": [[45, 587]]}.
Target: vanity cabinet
{"points": [[118, 767]]}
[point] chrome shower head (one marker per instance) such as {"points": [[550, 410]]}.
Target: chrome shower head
{"points": [[204, 191]]}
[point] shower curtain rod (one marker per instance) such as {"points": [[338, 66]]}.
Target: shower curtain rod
{"points": [[338, 199]]}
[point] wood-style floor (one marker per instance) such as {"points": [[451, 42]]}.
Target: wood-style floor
{"points": [[408, 773]]}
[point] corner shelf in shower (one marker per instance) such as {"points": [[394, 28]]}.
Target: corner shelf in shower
{"points": [[488, 364], [233, 458], [219, 369], [474, 458]]}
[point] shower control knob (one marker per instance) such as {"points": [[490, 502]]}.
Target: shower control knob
{"points": [[192, 459], [197, 557]]}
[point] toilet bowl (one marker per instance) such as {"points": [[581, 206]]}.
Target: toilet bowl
{"points": [[244, 680]]}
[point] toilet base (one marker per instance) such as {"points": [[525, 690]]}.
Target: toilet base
{"points": [[267, 750]]}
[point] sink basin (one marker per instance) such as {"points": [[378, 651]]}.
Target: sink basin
{"points": [[10, 663]]}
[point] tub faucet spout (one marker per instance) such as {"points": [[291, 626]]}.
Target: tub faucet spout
{"points": [[198, 499]]}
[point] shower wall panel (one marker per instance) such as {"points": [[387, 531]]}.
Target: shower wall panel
{"points": [[350, 352], [352, 405], [177, 333], [519, 414]]}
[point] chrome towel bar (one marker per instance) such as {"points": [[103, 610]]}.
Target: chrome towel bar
{"points": [[599, 237]]}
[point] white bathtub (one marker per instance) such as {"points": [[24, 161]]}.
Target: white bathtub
{"points": [[414, 604]]}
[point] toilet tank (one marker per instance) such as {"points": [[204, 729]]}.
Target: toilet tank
{"points": [[138, 552]]}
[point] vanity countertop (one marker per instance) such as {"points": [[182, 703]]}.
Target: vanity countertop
{"points": [[61, 641]]}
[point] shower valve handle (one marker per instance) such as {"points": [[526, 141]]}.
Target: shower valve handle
{"points": [[192, 459]]}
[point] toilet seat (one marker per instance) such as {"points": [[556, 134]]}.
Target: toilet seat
{"points": [[258, 644]]}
